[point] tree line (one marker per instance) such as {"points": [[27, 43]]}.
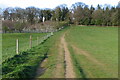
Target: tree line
{"points": [[79, 13]]}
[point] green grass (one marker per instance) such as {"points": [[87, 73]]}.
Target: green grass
{"points": [[26, 63], [99, 42], [51, 63], [9, 43]]}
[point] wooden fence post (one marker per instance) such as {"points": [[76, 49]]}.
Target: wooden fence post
{"points": [[37, 40], [51, 33], [30, 41], [17, 46]]}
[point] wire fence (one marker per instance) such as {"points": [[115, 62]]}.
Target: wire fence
{"points": [[32, 43], [35, 42], [23, 44]]}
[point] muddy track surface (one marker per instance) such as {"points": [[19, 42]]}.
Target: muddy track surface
{"points": [[69, 72]]}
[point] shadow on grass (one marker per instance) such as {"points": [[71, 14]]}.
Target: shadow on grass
{"points": [[41, 70], [81, 70], [77, 64]]}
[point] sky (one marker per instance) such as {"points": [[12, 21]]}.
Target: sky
{"points": [[52, 3]]}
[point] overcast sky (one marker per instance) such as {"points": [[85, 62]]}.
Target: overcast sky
{"points": [[52, 3]]}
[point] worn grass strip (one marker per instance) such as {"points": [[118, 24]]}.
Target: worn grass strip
{"points": [[52, 61], [80, 73], [60, 70]]}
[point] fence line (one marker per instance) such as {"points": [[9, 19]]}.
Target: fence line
{"points": [[30, 41], [38, 41], [17, 46], [24, 46]]}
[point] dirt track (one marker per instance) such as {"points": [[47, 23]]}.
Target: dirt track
{"points": [[64, 66], [69, 72]]}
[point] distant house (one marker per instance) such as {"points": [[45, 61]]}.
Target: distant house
{"points": [[2, 19]]}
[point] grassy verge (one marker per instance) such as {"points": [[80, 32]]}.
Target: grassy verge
{"points": [[24, 65]]}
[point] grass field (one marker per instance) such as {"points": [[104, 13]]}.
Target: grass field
{"points": [[9, 42], [94, 51]]}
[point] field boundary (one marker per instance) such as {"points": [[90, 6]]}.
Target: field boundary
{"points": [[38, 41]]}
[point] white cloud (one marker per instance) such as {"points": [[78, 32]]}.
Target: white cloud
{"points": [[52, 3]]}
